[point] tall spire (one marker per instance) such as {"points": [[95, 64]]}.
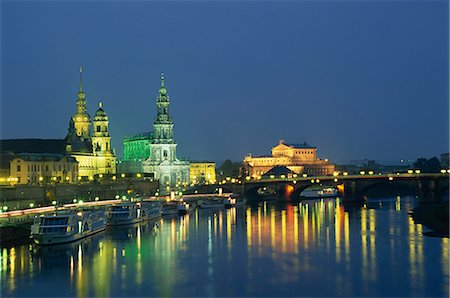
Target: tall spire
{"points": [[162, 79], [81, 79]]}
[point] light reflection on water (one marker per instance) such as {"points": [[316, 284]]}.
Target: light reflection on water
{"points": [[311, 248]]}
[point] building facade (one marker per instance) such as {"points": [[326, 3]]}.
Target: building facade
{"points": [[155, 153], [299, 158], [91, 149], [202, 172], [43, 167], [137, 147]]}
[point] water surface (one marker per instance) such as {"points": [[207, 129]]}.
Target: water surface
{"points": [[310, 248]]}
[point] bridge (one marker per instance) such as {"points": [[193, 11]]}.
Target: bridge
{"points": [[429, 187]]}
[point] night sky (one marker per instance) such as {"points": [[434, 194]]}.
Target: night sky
{"points": [[357, 79]]}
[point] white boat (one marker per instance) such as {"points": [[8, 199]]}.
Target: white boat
{"points": [[66, 226], [328, 192], [234, 202], [131, 212], [215, 202]]}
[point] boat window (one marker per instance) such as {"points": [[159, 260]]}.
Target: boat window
{"points": [[55, 221]]}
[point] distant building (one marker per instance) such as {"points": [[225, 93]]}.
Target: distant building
{"points": [[155, 153], [298, 158], [26, 149], [43, 167], [202, 172]]}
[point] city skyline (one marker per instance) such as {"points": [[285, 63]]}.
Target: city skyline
{"points": [[238, 89]]}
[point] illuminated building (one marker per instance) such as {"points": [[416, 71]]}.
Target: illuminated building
{"points": [[43, 167], [155, 153], [137, 147], [91, 150], [299, 158], [201, 172]]}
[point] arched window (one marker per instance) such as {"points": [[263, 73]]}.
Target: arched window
{"points": [[165, 153]]}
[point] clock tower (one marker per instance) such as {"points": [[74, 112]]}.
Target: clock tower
{"points": [[81, 119]]}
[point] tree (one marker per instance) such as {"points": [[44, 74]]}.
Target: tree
{"points": [[229, 169], [431, 165]]}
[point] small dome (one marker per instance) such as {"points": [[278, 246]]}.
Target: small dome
{"points": [[100, 113]]}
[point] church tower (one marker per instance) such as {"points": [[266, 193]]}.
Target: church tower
{"points": [[101, 141], [163, 163], [163, 144], [81, 119]]}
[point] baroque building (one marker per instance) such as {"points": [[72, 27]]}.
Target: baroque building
{"points": [[92, 150], [298, 158], [155, 152], [202, 172], [43, 167]]}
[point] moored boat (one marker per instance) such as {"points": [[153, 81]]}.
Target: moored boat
{"points": [[131, 212], [169, 208], [328, 192], [234, 202], [183, 208], [66, 226], [215, 202]]}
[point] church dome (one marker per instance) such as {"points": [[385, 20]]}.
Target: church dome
{"points": [[100, 113]]}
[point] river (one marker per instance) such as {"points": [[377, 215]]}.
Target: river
{"points": [[309, 248]]}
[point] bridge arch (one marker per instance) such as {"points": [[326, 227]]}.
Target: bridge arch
{"points": [[259, 189], [387, 187]]}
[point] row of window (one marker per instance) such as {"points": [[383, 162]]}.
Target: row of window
{"points": [[58, 230], [38, 167], [55, 221]]}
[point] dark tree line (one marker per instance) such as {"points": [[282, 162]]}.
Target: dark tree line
{"points": [[229, 169], [432, 165]]}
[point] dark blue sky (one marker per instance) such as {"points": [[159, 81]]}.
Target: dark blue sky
{"points": [[357, 79]]}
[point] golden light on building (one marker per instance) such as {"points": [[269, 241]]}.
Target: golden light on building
{"points": [[362, 172], [298, 158], [202, 172]]}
